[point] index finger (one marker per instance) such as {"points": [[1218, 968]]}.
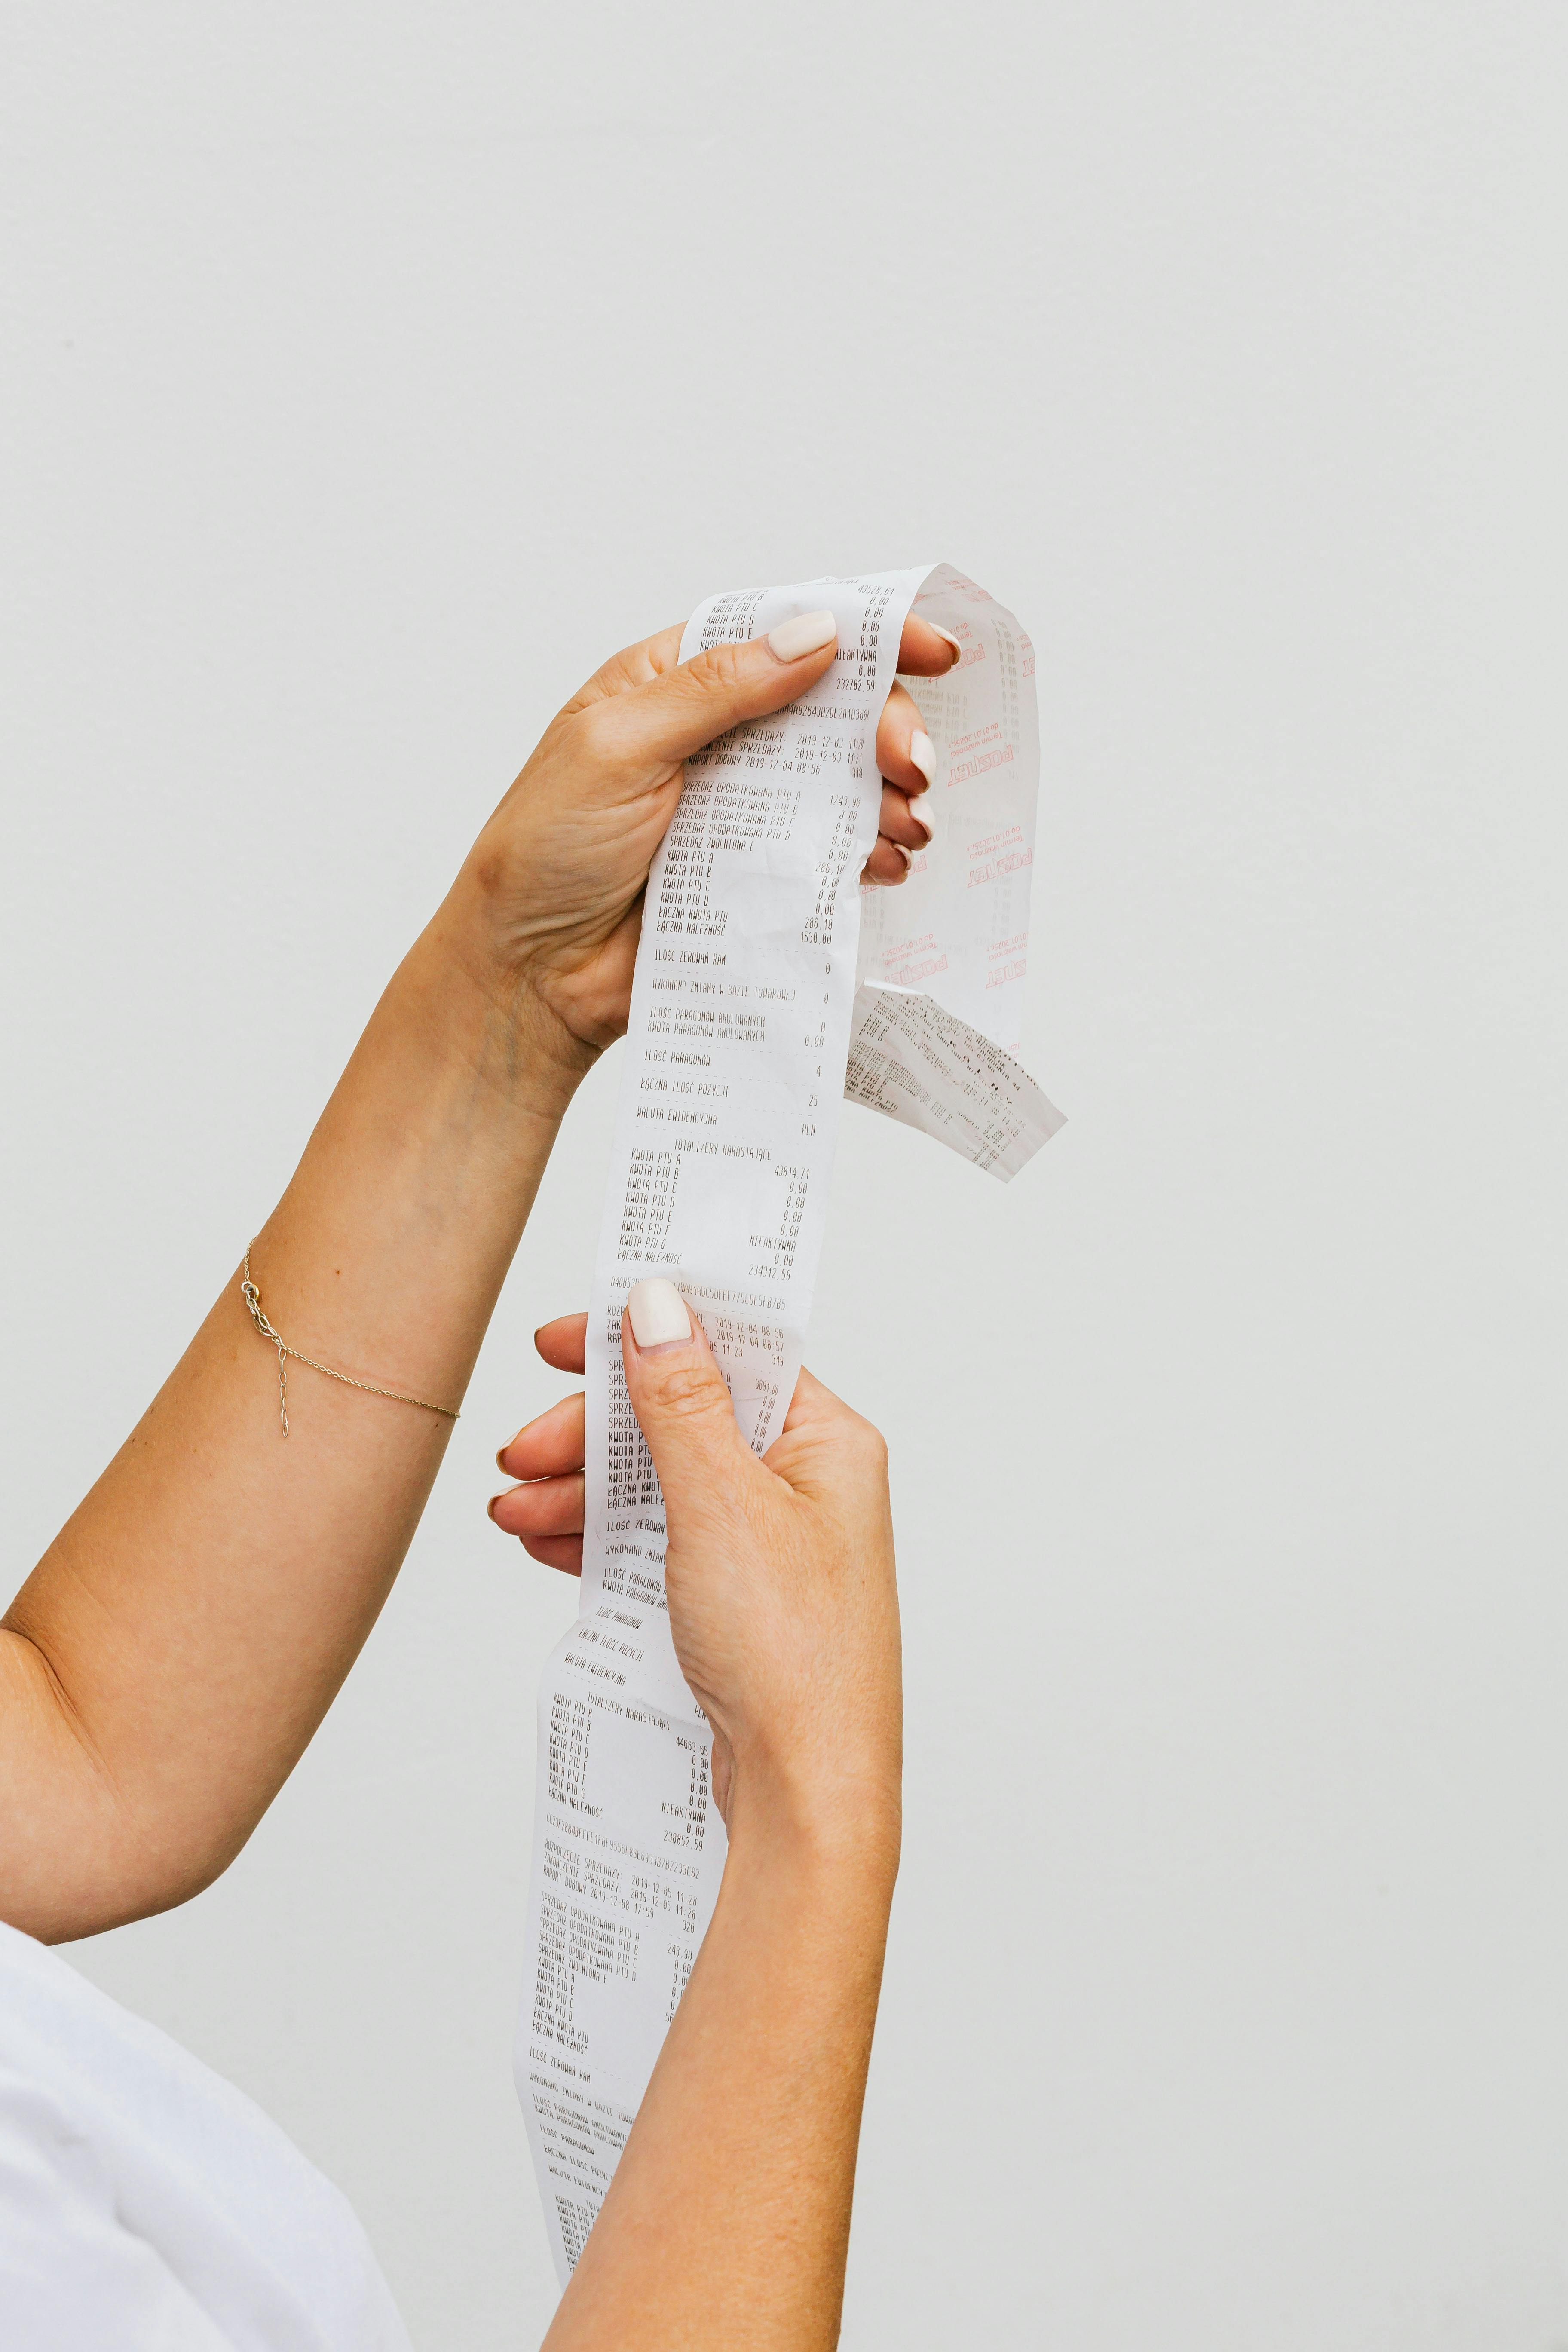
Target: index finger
{"points": [[563, 1342], [925, 650]]}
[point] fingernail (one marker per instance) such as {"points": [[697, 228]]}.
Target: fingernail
{"points": [[658, 1313], [922, 814], [807, 633], [907, 855], [491, 1507], [948, 638], [922, 752], [501, 1449]]}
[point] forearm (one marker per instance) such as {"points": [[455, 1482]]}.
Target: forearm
{"points": [[173, 1652], [727, 2223]]}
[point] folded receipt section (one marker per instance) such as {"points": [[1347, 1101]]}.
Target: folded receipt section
{"points": [[768, 987]]}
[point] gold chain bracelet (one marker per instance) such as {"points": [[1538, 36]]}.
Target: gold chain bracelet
{"points": [[252, 1298]]}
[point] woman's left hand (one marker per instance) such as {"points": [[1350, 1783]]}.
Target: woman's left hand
{"points": [[548, 908], [545, 1513]]}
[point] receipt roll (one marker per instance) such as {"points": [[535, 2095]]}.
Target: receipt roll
{"points": [[768, 985]]}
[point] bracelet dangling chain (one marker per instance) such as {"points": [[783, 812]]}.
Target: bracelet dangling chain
{"points": [[252, 1298]]}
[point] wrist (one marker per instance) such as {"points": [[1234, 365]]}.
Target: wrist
{"points": [[494, 1019], [838, 1820]]}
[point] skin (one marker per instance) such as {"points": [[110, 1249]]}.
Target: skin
{"points": [[728, 2219], [170, 1657]]}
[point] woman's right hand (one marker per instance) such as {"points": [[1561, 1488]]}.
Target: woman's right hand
{"points": [[783, 1600]]}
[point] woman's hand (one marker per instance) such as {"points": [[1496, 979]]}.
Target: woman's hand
{"points": [[779, 1572], [547, 907], [727, 2221]]}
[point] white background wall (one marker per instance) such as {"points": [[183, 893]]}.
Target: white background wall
{"points": [[370, 373]]}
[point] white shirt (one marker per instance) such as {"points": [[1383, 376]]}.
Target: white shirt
{"points": [[147, 2206]]}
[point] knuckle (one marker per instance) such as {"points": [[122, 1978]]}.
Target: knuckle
{"points": [[719, 670], [865, 1444], [718, 678], [601, 733], [689, 1392], [492, 868]]}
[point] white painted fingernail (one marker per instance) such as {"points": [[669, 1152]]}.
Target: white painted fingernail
{"points": [[922, 752], [907, 855], [922, 816], [658, 1313], [807, 633], [948, 639]]}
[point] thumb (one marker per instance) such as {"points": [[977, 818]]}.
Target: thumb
{"points": [[680, 1396], [676, 714]]}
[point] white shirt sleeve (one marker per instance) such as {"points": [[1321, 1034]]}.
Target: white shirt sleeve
{"points": [[76, 2279], [148, 2206]]}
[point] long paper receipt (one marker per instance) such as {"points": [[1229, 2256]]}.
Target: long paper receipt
{"points": [[769, 986]]}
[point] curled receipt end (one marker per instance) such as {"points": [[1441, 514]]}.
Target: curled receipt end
{"points": [[915, 1062]]}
